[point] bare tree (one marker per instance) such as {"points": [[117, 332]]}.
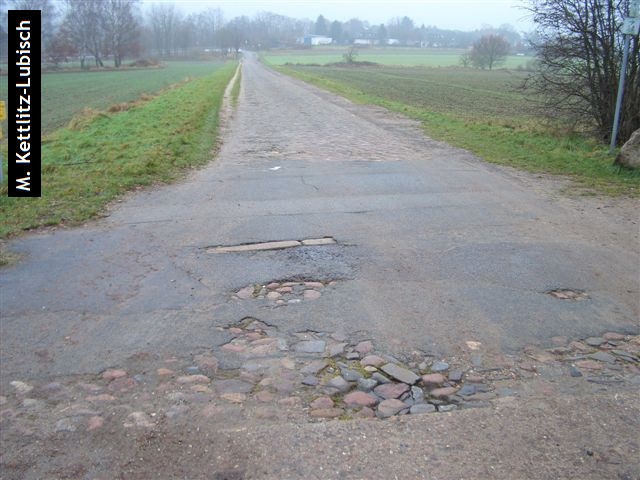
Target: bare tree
{"points": [[489, 51], [163, 20], [84, 24], [48, 15], [121, 28], [209, 23], [579, 48]]}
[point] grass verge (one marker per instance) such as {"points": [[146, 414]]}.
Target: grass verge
{"points": [[498, 138], [86, 167], [235, 91]]}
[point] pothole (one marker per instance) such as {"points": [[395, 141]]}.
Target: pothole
{"points": [[277, 245], [282, 293], [568, 294]]}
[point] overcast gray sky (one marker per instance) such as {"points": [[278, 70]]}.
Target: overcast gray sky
{"points": [[449, 14]]}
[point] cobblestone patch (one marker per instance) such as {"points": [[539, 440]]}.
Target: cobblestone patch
{"points": [[308, 376], [283, 293]]}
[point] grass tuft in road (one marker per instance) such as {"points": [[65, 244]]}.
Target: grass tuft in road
{"points": [[481, 112], [106, 154]]}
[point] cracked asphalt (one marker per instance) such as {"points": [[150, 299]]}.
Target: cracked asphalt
{"points": [[434, 249]]}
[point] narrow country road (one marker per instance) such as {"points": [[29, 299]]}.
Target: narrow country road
{"points": [[154, 336]]}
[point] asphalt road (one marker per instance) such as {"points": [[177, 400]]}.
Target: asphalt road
{"points": [[433, 249]]}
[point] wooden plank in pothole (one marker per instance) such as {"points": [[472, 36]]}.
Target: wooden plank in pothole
{"points": [[256, 247], [314, 242]]}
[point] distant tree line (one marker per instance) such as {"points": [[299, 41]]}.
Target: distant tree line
{"points": [[94, 31]]}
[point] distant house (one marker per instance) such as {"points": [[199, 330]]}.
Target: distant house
{"points": [[392, 41], [316, 40], [364, 41]]}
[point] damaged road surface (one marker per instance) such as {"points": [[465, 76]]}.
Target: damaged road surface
{"points": [[335, 296]]}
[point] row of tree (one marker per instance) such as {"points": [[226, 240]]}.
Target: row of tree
{"points": [[93, 30], [405, 32]]}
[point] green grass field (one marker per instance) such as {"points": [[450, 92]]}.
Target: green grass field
{"points": [[86, 166], [64, 95], [400, 56], [483, 112]]}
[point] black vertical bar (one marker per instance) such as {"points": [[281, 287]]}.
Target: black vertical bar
{"points": [[23, 112]]}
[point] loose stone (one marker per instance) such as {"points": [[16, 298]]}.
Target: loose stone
{"points": [[94, 423], [390, 407], [391, 390], [264, 396], [580, 347], [340, 383], [192, 370], [200, 389], [594, 341], [422, 408], [338, 337], [188, 379], [310, 346], [232, 386], [574, 372], [367, 384], [400, 373], [21, 387], [455, 375], [138, 419], [365, 412], [230, 347], [113, 374], [372, 361], [234, 397], [359, 399], [352, 356], [283, 385], [603, 357], [326, 413], [273, 286], [164, 372], [439, 367], [447, 408], [433, 379], [314, 367], [336, 349], [589, 365], [613, 336], [322, 403], [417, 394], [443, 392], [314, 284], [273, 295], [378, 377], [289, 401], [350, 375], [310, 380], [363, 348], [467, 390], [245, 293], [311, 295]]}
